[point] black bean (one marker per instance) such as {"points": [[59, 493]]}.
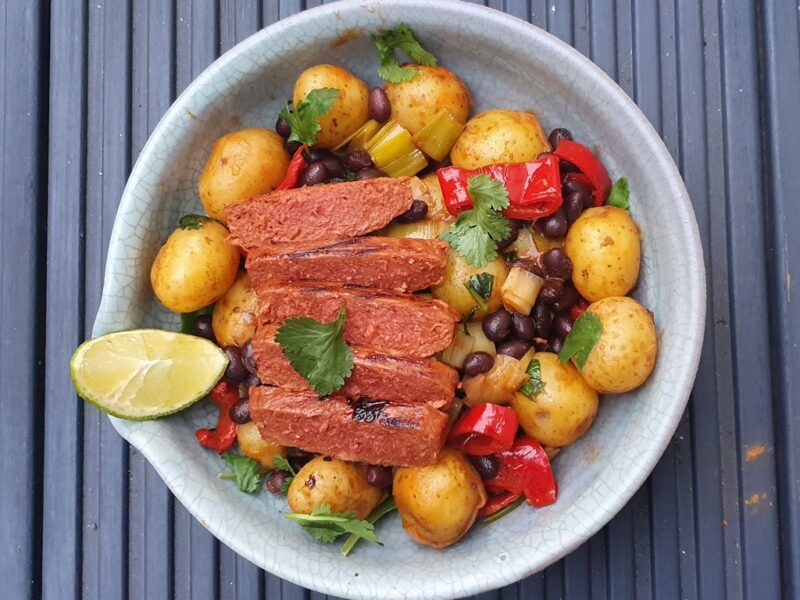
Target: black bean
{"points": [[478, 362], [333, 167], [573, 207], [540, 344], [497, 325], [417, 212], [542, 320], [313, 174], [313, 154], [554, 226], [565, 167], [297, 458], [247, 357], [551, 291], [275, 481], [485, 466], [236, 370], [253, 381], [369, 173], [562, 325], [282, 128], [378, 105], [240, 412], [556, 264], [379, 477], [514, 348], [573, 186], [556, 344], [522, 326], [355, 161], [291, 147], [557, 135], [567, 300], [512, 237], [435, 165], [203, 328]]}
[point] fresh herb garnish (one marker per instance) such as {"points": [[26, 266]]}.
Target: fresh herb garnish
{"points": [[468, 318], [350, 175], [281, 464], [620, 194], [384, 508], [192, 221], [326, 526], [304, 118], [476, 232], [584, 336], [534, 385], [504, 511], [480, 288], [400, 38], [317, 351], [244, 470]]}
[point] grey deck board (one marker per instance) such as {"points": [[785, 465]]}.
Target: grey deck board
{"points": [[82, 85]]}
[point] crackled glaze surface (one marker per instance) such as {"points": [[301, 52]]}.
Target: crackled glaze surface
{"points": [[507, 64]]}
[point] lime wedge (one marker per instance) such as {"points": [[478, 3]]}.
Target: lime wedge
{"points": [[145, 373]]}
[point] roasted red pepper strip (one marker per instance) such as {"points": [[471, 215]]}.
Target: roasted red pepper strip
{"points": [[497, 502], [588, 164], [525, 469], [534, 188], [485, 429], [296, 166], [224, 395]]}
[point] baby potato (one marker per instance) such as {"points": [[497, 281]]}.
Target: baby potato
{"points": [[625, 355], [438, 503], [234, 317], [242, 164], [564, 410], [605, 250], [499, 136], [253, 445], [457, 272], [349, 111], [341, 485], [416, 101], [195, 266]]}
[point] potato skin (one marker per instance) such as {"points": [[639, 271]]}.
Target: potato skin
{"points": [[457, 272], [234, 318], [242, 164], [194, 267], [253, 445], [438, 503], [499, 136], [564, 410], [416, 101], [605, 250], [340, 484], [350, 109], [625, 355]]}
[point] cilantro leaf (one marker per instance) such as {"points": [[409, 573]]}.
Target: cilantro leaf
{"points": [[304, 118], [620, 193], [245, 471], [534, 385], [192, 221], [480, 288], [384, 508], [317, 351], [281, 464], [400, 38], [476, 232], [584, 336], [326, 526]]}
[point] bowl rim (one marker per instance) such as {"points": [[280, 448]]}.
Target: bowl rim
{"points": [[682, 209]]}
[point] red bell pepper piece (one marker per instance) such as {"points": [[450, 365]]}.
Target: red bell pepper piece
{"points": [[534, 188], [578, 308], [224, 395], [497, 502], [525, 469], [296, 166], [588, 164], [485, 429]]}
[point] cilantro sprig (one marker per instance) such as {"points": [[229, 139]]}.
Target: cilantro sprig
{"points": [[620, 194], [476, 232], [304, 118], [326, 526], [585, 334], [534, 385], [400, 38], [245, 471], [383, 509], [317, 351], [480, 288]]}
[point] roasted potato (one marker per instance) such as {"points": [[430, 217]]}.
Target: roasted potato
{"points": [[349, 111], [499, 136], [235, 314], [253, 445], [416, 101], [341, 485], [195, 266], [604, 247], [242, 164], [438, 503], [457, 272], [564, 410], [625, 355]]}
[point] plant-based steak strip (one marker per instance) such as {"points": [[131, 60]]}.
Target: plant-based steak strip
{"points": [[392, 324], [331, 211], [408, 380], [371, 431], [393, 264]]}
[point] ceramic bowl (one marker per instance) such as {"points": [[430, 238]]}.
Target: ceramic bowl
{"points": [[507, 63]]}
